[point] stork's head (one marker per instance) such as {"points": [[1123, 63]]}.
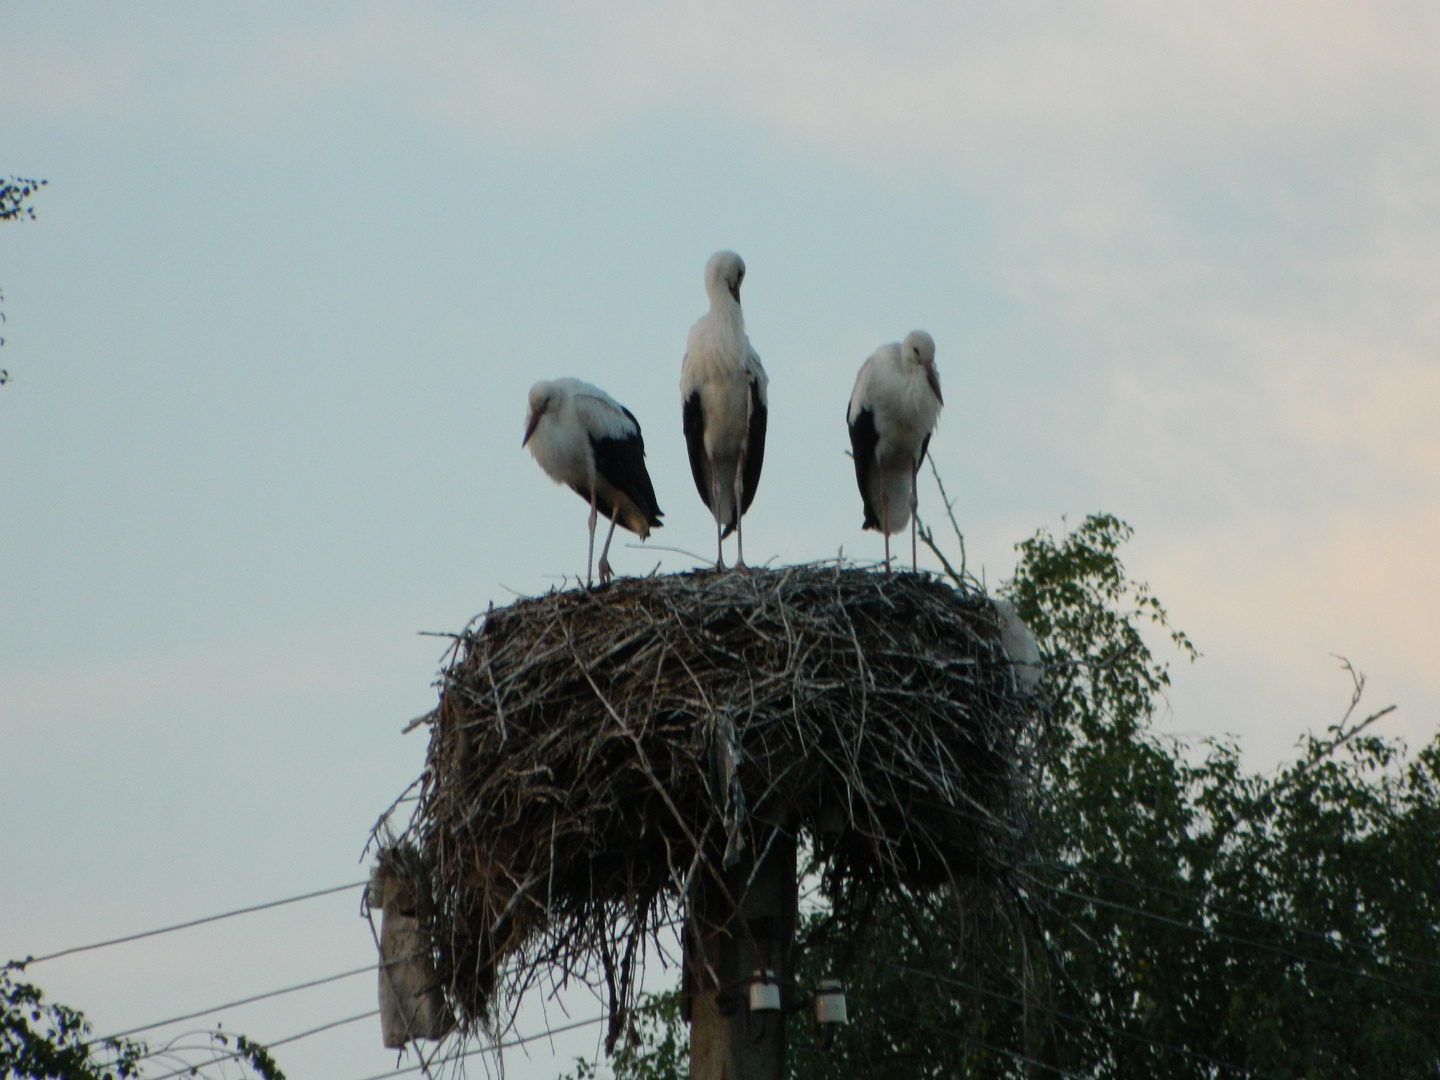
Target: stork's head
{"points": [[543, 396], [919, 349], [723, 273]]}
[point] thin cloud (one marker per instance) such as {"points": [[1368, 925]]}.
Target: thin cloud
{"points": [[961, 83]]}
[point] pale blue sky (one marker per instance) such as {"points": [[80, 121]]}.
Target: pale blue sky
{"points": [[298, 264]]}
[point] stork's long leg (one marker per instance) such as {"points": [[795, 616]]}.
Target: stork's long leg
{"points": [[605, 572], [914, 509], [885, 522], [715, 509], [590, 553], [739, 513]]}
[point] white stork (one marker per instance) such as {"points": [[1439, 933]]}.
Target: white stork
{"points": [[583, 437], [892, 414], [723, 391]]}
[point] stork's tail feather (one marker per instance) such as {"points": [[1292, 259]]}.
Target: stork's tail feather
{"points": [[641, 525]]}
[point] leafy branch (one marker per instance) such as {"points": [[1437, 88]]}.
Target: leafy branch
{"points": [[41, 1040]]}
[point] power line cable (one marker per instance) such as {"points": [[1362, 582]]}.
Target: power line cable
{"points": [[1206, 931], [192, 1069], [497, 1046], [257, 997], [235, 1004], [979, 1042], [1321, 935], [22, 964], [1098, 1024]]}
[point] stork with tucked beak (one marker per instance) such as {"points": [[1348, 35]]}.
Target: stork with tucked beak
{"points": [[892, 414], [724, 395], [584, 438]]}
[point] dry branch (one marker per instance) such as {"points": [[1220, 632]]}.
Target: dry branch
{"points": [[597, 756]]}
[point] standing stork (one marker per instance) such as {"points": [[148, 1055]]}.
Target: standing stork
{"points": [[583, 437], [724, 392], [892, 414]]}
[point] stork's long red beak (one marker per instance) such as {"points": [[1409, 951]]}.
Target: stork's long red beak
{"points": [[531, 423], [933, 378], [735, 292]]}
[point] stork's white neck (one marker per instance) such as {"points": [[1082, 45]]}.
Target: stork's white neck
{"points": [[721, 302]]}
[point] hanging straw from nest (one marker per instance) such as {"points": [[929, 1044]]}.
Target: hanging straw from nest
{"points": [[596, 755]]}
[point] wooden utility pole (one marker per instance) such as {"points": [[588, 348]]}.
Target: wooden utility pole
{"points": [[750, 930]]}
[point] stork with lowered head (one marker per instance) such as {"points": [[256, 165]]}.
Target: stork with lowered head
{"points": [[724, 397], [893, 410], [584, 438]]}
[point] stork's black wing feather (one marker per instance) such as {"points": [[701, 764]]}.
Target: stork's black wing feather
{"points": [[694, 422], [863, 438], [754, 446], [622, 463]]}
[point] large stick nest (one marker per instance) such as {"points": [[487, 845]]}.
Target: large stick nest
{"points": [[596, 754]]}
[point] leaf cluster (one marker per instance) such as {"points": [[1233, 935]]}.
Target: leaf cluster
{"points": [[46, 1040], [656, 1045], [41, 1040]]}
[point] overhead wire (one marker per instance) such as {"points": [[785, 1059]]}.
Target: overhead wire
{"points": [[966, 1037], [22, 964], [1202, 930], [548, 1032], [1322, 935], [496, 1046], [251, 999], [1235, 938], [234, 1004], [1179, 923], [236, 1054], [1092, 1023]]}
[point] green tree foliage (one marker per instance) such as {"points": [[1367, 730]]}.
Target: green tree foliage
{"points": [[41, 1040], [1177, 916], [658, 1047], [1195, 916]]}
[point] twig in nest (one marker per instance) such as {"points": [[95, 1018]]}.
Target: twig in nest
{"points": [[570, 804]]}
